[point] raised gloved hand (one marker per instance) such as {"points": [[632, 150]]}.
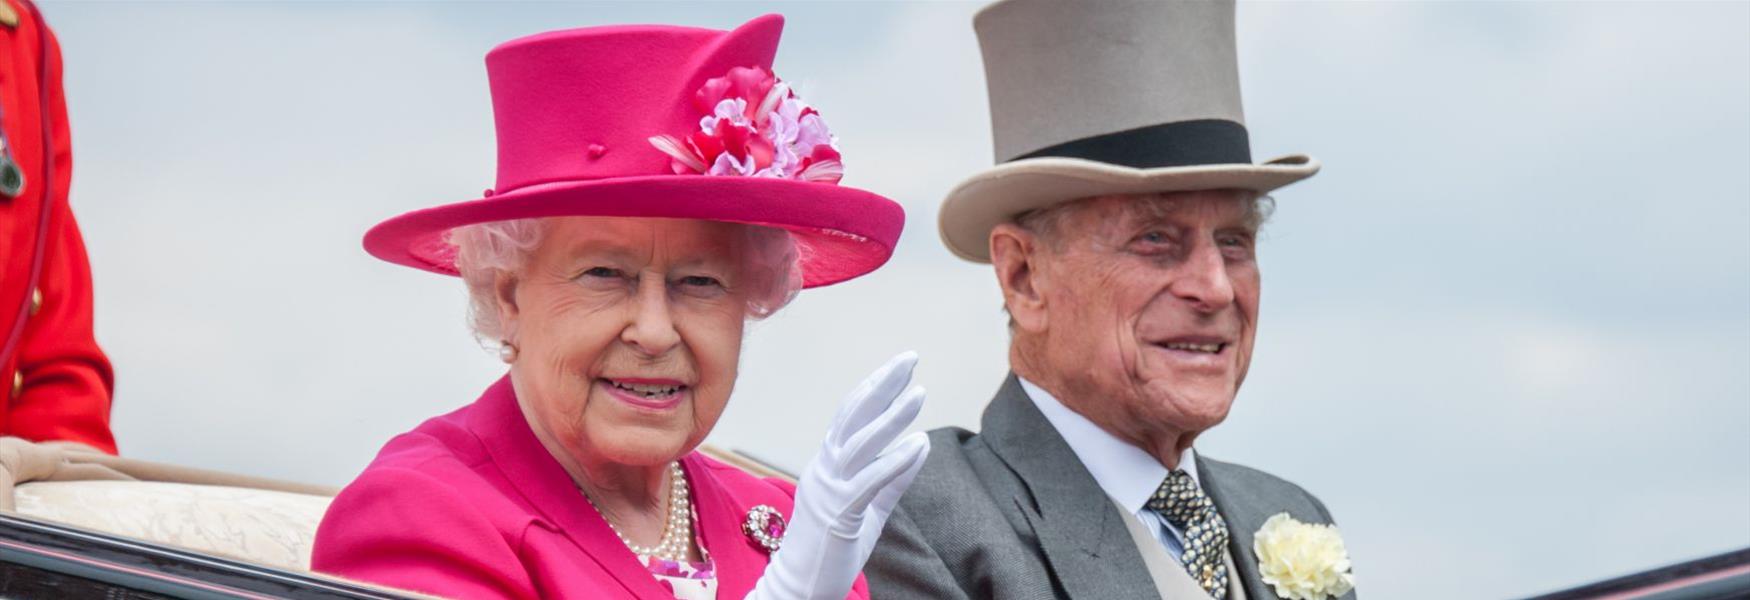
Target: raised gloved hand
{"points": [[848, 490]]}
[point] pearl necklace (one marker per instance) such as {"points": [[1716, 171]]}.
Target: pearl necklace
{"points": [[677, 533]]}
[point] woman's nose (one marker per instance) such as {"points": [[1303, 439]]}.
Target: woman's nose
{"points": [[651, 330]]}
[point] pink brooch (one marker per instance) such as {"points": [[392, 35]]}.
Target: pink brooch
{"points": [[764, 527], [754, 126]]}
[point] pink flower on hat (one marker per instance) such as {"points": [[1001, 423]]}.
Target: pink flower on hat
{"points": [[754, 126], [748, 84]]}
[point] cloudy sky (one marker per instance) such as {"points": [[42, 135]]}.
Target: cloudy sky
{"points": [[1506, 333]]}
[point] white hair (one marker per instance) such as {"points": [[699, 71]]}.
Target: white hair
{"points": [[771, 267]]}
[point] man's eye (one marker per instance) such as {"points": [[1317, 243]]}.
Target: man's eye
{"points": [[1236, 247], [1234, 240], [1152, 242]]}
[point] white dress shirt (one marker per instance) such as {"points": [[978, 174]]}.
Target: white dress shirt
{"points": [[1126, 473]]}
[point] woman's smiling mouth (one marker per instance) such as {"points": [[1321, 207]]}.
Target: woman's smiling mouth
{"points": [[644, 393]]}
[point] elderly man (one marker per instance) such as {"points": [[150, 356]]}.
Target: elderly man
{"points": [[1122, 228]]}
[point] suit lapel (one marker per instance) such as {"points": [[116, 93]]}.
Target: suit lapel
{"points": [[545, 485], [1081, 533]]}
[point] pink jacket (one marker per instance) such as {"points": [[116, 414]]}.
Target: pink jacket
{"points": [[470, 505]]}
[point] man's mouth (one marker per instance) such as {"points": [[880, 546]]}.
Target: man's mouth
{"points": [[1201, 346], [1206, 348]]}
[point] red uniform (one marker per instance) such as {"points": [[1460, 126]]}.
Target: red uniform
{"points": [[55, 381]]}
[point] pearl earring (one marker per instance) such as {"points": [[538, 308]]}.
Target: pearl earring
{"points": [[506, 352]]}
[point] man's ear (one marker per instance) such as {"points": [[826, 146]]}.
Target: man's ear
{"points": [[1014, 254], [504, 285]]}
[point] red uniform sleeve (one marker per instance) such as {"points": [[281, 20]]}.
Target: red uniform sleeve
{"points": [[67, 380]]}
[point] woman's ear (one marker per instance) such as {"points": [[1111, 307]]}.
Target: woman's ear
{"points": [[1014, 254], [504, 286]]}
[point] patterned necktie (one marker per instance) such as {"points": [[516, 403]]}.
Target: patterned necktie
{"points": [[1181, 502]]}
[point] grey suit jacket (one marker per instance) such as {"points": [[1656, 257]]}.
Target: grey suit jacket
{"points": [[1011, 513]]}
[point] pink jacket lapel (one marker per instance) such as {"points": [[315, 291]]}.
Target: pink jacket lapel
{"points": [[739, 563], [544, 485]]}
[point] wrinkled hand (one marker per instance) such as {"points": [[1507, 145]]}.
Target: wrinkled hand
{"points": [[844, 497]]}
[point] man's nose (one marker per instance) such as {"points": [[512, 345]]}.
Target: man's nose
{"points": [[651, 330], [1203, 279]]}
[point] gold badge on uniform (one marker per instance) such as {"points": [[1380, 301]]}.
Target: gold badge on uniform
{"points": [[8, 15]]}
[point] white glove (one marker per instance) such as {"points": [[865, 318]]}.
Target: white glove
{"points": [[848, 490]]}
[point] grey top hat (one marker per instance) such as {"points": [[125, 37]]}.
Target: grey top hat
{"points": [[1104, 97]]}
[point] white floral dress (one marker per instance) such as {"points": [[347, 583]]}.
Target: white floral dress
{"points": [[686, 579]]}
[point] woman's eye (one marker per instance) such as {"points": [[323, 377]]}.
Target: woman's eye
{"points": [[700, 286], [700, 281], [603, 272]]}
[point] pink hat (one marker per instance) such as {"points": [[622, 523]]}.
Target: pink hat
{"points": [[659, 121]]}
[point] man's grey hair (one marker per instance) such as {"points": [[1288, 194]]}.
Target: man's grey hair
{"points": [[771, 267]]}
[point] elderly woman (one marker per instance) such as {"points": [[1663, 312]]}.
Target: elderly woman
{"points": [[657, 187]]}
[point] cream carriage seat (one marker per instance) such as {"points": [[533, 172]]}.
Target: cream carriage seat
{"points": [[246, 518], [258, 520], [268, 527]]}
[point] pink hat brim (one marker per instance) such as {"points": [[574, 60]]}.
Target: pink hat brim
{"points": [[841, 232]]}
